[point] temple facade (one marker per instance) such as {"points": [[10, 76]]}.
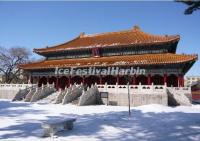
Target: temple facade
{"points": [[156, 54]]}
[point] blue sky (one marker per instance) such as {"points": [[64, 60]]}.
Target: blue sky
{"points": [[41, 24]]}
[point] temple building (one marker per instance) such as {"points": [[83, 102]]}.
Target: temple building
{"points": [[124, 49]]}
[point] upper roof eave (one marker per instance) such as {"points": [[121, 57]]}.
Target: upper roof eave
{"points": [[45, 50], [111, 39]]}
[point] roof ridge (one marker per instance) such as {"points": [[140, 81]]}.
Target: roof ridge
{"points": [[105, 33], [134, 29]]}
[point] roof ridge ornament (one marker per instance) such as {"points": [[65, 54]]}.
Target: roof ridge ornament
{"points": [[136, 27], [82, 34]]}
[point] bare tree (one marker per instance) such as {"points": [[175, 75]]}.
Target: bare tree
{"points": [[193, 5], [9, 61]]}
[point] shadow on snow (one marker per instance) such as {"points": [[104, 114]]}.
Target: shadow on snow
{"points": [[140, 126], [9, 109]]}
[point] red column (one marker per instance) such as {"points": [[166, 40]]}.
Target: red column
{"points": [[83, 79], [134, 80], [69, 82], [180, 80], [27, 79], [31, 79], [38, 81], [47, 79], [118, 79], [165, 78], [100, 80], [149, 79], [57, 82]]}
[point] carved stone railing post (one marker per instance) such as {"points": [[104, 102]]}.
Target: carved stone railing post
{"points": [[116, 88], [106, 87]]}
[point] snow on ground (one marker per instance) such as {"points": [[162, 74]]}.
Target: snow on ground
{"points": [[21, 121]]}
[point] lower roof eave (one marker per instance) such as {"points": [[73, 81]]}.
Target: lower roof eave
{"points": [[127, 60], [100, 66]]}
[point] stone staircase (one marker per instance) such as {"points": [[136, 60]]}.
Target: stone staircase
{"points": [[49, 99], [29, 95], [38, 93], [59, 97], [90, 97], [21, 94], [176, 99], [72, 94], [42, 92]]}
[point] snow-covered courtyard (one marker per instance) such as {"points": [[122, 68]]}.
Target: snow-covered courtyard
{"points": [[22, 121]]}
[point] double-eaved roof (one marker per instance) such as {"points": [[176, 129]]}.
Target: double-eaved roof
{"points": [[133, 37]]}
